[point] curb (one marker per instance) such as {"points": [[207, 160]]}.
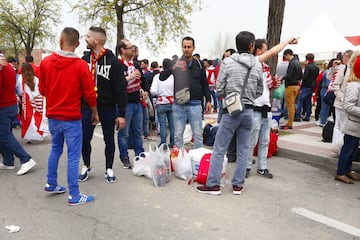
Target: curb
{"points": [[323, 162]]}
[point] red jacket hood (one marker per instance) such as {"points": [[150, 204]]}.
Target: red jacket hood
{"points": [[63, 60]]}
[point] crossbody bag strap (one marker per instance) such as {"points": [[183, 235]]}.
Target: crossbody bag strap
{"points": [[245, 82]]}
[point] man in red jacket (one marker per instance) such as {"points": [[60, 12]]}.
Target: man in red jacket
{"points": [[64, 80], [9, 146]]}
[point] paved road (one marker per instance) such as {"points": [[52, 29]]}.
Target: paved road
{"points": [[132, 208]]}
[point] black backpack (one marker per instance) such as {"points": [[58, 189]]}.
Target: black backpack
{"points": [[209, 134], [327, 131]]}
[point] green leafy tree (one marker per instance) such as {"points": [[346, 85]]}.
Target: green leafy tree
{"points": [[29, 22], [153, 22], [9, 41], [275, 22]]}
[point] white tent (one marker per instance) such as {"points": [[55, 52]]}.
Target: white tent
{"points": [[322, 39]]}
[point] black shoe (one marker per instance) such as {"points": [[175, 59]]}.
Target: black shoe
{"points": [[232, 160], [247, 172], [209, 190], [265, 173], [306, 119], [126, 163], [297, 120]]}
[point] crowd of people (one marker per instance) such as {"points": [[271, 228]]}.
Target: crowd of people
{"points": [[122, 93]]}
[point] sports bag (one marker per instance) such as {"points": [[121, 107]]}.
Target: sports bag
{"points": [[203, 168]]}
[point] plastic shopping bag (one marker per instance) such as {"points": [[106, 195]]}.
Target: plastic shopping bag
{"points": [[159, 173], [182, 165], [164, 150], [142, 165]]}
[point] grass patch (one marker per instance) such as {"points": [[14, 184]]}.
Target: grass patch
{"points": [[284, 133]]}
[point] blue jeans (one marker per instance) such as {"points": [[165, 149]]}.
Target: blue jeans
{"points": [[242, 124], [9, 145], [260, 131], [351, 143], [69, 131], [220, 113], [188, 112], [145, 125], [107, 119], [134, 122], [305, 95], [214, 97], [325, 108], [164, 112]]}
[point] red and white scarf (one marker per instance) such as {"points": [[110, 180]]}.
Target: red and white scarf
{"points": [[132, 85]]}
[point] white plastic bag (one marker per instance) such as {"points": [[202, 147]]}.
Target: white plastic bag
{"points": [[158, 168], [142, 165], [182, 165], [164, 150]]}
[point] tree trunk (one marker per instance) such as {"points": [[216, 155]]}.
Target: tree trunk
{"points": [[275, 21], [119, 25]]}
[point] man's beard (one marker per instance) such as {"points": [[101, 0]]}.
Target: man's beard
{"points": [[88, 46]]}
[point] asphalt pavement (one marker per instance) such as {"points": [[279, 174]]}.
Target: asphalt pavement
{"points": [[302, 201]]}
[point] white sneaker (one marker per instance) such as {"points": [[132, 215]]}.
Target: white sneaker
{"points": [[109, 175], [84, 174], [317, 123], [25, 167], [6, 167]]}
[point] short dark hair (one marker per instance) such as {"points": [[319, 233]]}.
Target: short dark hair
{"points": [[11, 60], [259, 44], [310, 56], [120, 45], [98, 30], [231, 50], [187, 38], [288, 52], [29, 58], [145, 61], [154, 65], [71, 35], [243, 41], [166, 63]]}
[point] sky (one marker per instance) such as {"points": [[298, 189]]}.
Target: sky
{"points": [[228, 17]]}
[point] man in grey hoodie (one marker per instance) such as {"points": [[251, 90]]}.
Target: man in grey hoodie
{"points": [[233, 71]]}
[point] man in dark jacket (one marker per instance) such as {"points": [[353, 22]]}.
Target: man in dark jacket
{"points": [[189, 74], [307, 87], [110, 83], [292, 78]]}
